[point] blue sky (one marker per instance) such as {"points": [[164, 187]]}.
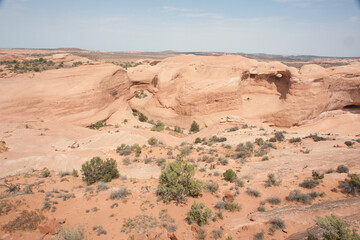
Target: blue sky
{"points": [[311, 27]]}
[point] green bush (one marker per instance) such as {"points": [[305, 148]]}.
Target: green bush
{"points": [[351, 185], [259, 141], [178, 129], [176, 182], [317, 175], [295, 140], [309, 183], [335, 228], [142, 117], [45, 173], [305, 198], [316, 138], [274, 200], [75, 173], [271, 181], [194, 127], [152, 141], [229, 175], [97, 170], [198, 140], [342, 169], [199, 214], [279, 136]]}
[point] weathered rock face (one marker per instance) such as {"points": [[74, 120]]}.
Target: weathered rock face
{"points": [[196, 86], [182, 89]]}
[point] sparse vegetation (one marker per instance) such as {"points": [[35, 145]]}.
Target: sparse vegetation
{"points": [[253, 192], [97, 170], [334, 228], [276, 223], [45, 173], [271, 181], [120, 193], [274, 200], [140, 94], [152, 141], [316, 138], [27, 220], [351, 185], [309, 183], [342, 169], [305, 198], [72, 233]]}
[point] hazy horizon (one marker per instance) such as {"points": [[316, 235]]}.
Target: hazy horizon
{"points": [[328, 28]]}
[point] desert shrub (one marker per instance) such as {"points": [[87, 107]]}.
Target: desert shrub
{"points": [[97, 170], [101, 186], [265, 158], [334, 228], [233, 129], [276, 223], [261, 209], [27, 220], [316, 138], [229, 175], [140, 222], [259, 236], [126, 161], [75, 173], [238, 182], [351, 185], [217, 233], [274, 200], [152, 141], [245, 126], [223, 161], [199, 214], [244, 151], [64, 173], [212, 186], [253, 192], [198, 140], [194, 127], [259, 141], [123, 150], [271, 181], [309, 183], [159, 126], [298, 196], [295, 140], [45, 173], [260, 153], [349, 143], [317, 175], [160, 161], [178, 129], [142, 117], [72, 233], [232, 206], [342, 169], [119, 193], [217, 139], [279, 136], [99, 230], [176, 182], [272, 139], [75, 64]]}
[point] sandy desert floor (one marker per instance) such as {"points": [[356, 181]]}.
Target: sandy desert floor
{"points": [[44, 123]]}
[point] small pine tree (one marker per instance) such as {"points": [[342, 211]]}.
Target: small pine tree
{"points": [[194, 127]]}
